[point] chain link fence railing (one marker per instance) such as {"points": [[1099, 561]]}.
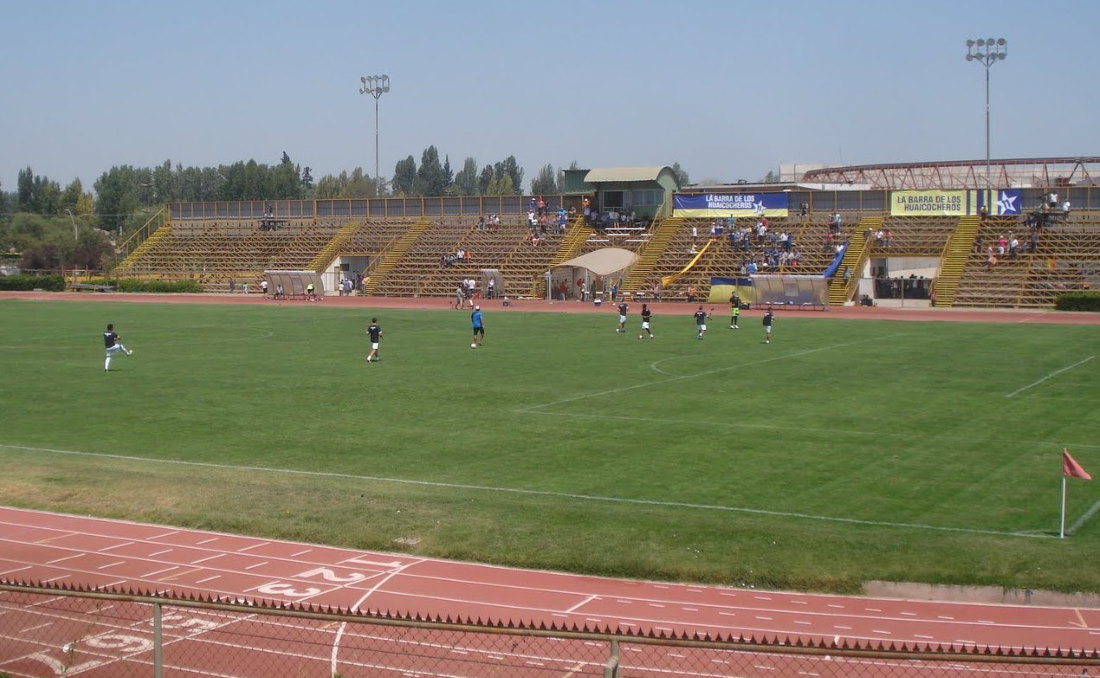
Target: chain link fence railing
{"points": [[48, 631]]}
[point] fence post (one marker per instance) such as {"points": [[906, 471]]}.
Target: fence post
{"points": [[611, 666], [158, 644]]}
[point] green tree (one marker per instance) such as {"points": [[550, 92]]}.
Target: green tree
{"points": [[466, 182], [509, 167], [70, 197], [37, 194], [545, 182], [448, 175], [485, 180], [117, 195], [431, 179], [24, 193], [404, 177], [286, 181]]}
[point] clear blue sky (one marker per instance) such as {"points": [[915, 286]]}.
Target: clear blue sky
{"points": [[728, 89]]}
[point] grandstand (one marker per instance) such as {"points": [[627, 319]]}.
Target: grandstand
{"points": [[399, 246]]}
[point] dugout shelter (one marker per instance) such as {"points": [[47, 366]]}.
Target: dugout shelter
{"points": [[294, 283]]}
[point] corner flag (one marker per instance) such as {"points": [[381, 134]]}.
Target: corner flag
{"points": [[1070, 467]]}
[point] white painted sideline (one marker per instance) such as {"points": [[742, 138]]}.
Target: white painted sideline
{"points": [[1049, 376], [537, 493]]}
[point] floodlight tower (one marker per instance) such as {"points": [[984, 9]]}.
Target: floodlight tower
{"points": [[376, 86], [987, 51]]}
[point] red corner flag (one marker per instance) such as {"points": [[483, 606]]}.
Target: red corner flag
{"points": [[1070, 467]]}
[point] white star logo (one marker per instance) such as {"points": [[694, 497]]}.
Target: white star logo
{"points": [[1007, 204]]}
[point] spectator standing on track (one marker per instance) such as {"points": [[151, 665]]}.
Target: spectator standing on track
{"points": [[478, 323], [623, 308], [375, 333], [700, 323], [646, 315], [113, 344], [263, 287], [768, 320]]}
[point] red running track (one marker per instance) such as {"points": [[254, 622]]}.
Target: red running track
{"points": [[37, 546]]}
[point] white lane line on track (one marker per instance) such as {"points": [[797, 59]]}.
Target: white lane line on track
{"points": [[573, 608], [334, 657], [545, 493], [1049, 376]]}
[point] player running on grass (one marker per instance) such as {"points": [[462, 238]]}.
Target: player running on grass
{"points": [[646, 315], [623, 308], [113, 344], [375, 333], [700, 323], [479, 327]]}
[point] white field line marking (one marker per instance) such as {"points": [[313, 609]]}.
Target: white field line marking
{"points": [[1083, 519], [534, 493], [800, 429], [1049, 376], [719, 370]]}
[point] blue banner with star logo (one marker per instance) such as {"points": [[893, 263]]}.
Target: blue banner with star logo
{"points": [[714, 205]]}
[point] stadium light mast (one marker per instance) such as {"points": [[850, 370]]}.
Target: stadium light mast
{"points": [[376, 86], [987, 51]]}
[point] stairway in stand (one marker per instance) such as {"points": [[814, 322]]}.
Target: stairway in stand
{"points": [[953, 262], [130, 262], [574, 239], [663, 233], [394, 256], [332, 247], [841, 287]]}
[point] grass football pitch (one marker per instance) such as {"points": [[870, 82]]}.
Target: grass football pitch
{"points": [[843, 451]]}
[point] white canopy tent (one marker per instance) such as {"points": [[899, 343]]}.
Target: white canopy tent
{"points": [[597, 271]]}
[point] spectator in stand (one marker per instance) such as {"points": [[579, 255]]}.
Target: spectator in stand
{"points": [[888, 238], [1013, 246], [1002, 244], [1065, 209], [835, 222]]}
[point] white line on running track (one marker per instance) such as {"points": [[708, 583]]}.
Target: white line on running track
{"points": [[343, 625], [1049, 376], [537, 493], [718, 370]]}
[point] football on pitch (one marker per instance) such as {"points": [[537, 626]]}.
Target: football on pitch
{"points": [[473, 345]]}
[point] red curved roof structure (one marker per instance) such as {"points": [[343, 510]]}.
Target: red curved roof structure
{"points": [[965, 174]]}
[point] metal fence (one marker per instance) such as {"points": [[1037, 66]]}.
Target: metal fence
{"points": [[47, 630]]}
